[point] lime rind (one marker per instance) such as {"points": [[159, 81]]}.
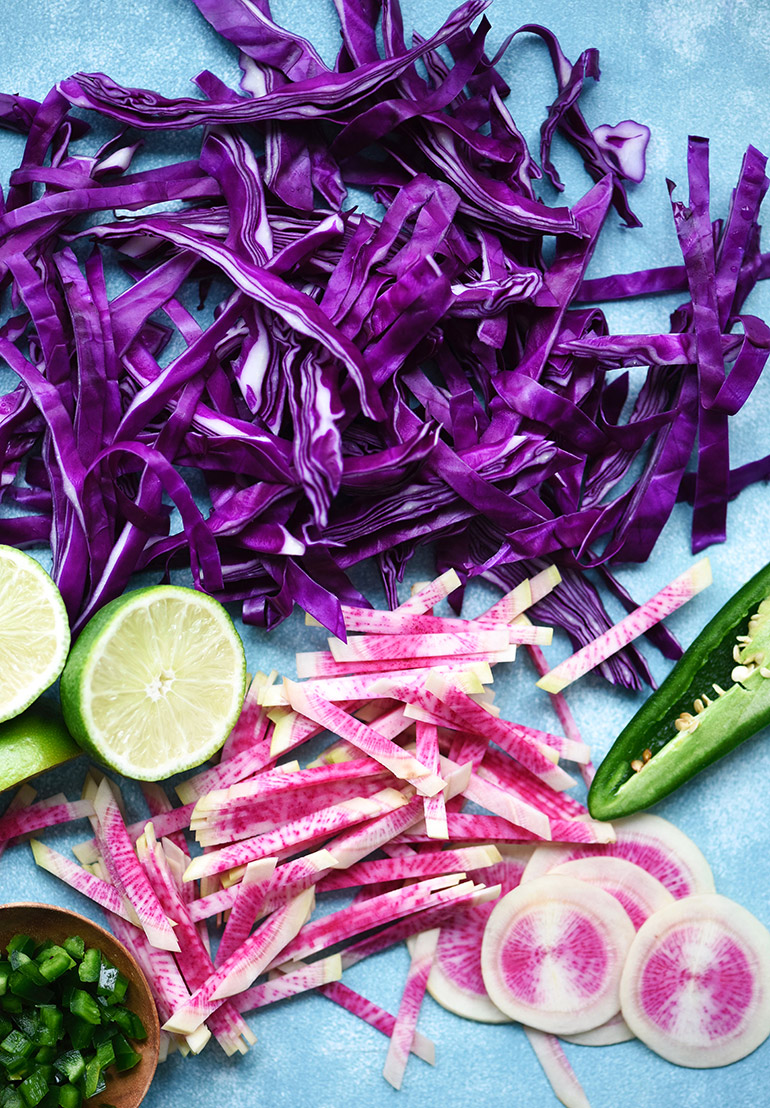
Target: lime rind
{"points": [[155, 682], [34, 631]]}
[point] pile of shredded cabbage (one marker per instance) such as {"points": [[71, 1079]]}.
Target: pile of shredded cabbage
{"points": [[365, 386]]}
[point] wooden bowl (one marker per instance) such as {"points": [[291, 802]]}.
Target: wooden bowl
{"points": [[43, 921]]}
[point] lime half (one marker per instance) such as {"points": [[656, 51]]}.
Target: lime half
{"points": [[34, 631], [155, 682], [32, 743]]}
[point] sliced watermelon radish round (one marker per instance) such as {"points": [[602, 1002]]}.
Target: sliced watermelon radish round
{"points": [[640, 894], [649, 841], [696, 984], [455, 980], [553, 952]]}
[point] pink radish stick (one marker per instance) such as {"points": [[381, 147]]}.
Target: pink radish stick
{"points": [[246, 908], [248, 818], [557, 1069], [321, 663], [376, 1017], [673, 596], [346, 922], [507, 773], [294, 877], [159, 804], [307, 829], [40, 815], [524, 743], [291, 729], [405, 1027], [163, 976], [240, 766], [227, 1026], [432, 594], [126, 872], [101, 892], [243, 967], [21, 799], [278, 781], [427, 753], [252, 724], [362, 686], [356, 844], [409, 866], [404, 928], [374, 745], [469, 746], [376, 622], [309, 976], [501, 803], [373, 647]]}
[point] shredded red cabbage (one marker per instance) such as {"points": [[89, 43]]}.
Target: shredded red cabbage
{"points": [[366, 384]]}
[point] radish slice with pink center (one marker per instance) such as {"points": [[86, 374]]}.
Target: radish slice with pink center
{"points": [[455, 980], [696, 985], [640, 894], [651, 842], [553, 952]]}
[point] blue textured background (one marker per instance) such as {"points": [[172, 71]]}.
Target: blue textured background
{"points": [[683, 67]]}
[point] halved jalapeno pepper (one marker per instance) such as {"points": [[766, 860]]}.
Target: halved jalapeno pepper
{"points": [[716, 696]]}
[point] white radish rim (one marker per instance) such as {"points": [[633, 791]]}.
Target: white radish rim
{"points": [[566, 941], [692, 939], [651, 842], [638, 892], [614, 1031]]}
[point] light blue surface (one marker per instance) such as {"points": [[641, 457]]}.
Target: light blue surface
{"points": [[681, 66]]}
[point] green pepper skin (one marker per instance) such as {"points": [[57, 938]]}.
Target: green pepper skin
{"points": [[617, 790]]}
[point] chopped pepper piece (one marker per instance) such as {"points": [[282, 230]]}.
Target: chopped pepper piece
{"points": [[716, 696]]}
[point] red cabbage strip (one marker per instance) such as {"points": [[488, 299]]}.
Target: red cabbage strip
{"points": [[694, 231], [230, 160], [131, 309], [17, 113], [625, 286], [46, 125], [379, 120], [129, 545], [313, 97], [298, 310], [247, 24], [204, 555], [736, 236], [24, 531], [565, 115]]}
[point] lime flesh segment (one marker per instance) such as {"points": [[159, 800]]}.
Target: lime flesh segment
{"points": [[34, 631], [32, 743], [155, 682]]}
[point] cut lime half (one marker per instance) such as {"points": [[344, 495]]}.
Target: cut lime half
{"points": [[155, 682], [34, 631], [32, 743]]}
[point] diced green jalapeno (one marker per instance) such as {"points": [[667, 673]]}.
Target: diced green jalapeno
{"points": [[62, 1024]]}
